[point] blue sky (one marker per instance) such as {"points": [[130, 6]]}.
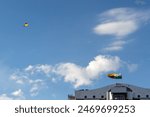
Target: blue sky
{"points": [[70, 45]]}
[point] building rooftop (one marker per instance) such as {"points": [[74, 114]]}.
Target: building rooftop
{"points": [[114, 91]]}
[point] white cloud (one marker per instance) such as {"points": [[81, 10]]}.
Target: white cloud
{"points": [[120, 22], [36, 86], [39, 68], [34, 90], [25, 78], [116, 28], [29, 68], [70, 72], [5, 97], [115, 46], [17, 93], [102, 64], [80, 76], [73, 73], [19, 78]]}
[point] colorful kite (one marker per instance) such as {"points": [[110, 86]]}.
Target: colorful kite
{"points": [[115, 76], [26, 24]]}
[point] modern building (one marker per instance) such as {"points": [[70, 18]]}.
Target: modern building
{"points": [[118, 91]]}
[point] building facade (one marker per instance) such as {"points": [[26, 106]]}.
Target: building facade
{"points": [[118, 91]]}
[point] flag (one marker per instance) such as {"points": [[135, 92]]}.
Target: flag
{"points": [[115, 76]]}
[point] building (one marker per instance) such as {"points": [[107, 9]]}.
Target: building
{"points": [[118, 91]]}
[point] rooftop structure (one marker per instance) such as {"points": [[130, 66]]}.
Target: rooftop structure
{"points": [[118, 91]]}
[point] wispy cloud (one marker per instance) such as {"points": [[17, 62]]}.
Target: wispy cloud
{"points": [[120, 22], [115, 46], [23, 77], [69, 72], [39, 68], [31, 80], [36, 86], [5, 97], [17, 93]]}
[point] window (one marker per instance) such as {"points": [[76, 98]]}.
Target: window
{"points": [[147, 96], [93, 96], [85, 97], [139, 96], [102, 96]]}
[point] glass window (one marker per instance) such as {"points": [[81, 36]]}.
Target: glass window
{"points": [[147, 96], [139, 96]]}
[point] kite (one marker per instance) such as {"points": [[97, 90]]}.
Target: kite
{"points": [[26, 24], [115, 76]]}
